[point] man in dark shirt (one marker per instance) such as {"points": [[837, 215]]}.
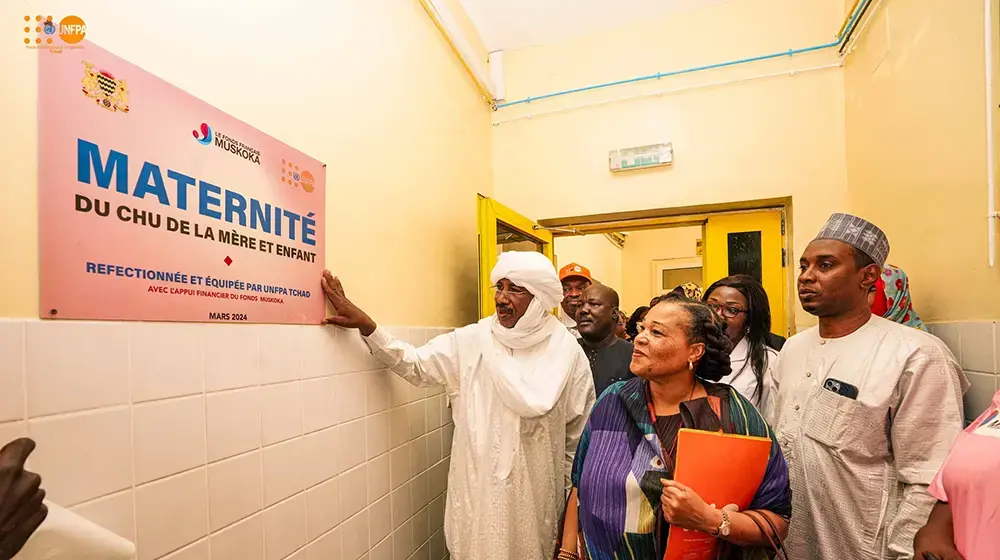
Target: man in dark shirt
{"points": [[609, 355]]}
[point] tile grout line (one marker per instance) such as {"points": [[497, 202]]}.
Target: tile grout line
{"points": [[993, 346], [302, 430], [204, 412], [419, 399], [259, 400], [24, 374], [24, 382], [131, 425]]}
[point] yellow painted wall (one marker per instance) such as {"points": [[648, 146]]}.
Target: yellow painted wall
{"points": [[916, 150], [468, 29], [596, 252], [370, 88], [756, 139], [641, 249]]}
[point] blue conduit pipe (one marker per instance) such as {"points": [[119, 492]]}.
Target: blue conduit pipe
{"points": [[848, 29]]}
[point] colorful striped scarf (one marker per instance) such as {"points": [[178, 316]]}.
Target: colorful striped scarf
{"points": [[619, 465]]}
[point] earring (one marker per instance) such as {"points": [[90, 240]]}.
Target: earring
{"points": [[690, 365]]}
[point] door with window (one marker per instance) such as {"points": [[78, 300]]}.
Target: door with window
{"points": [[750, 243], [500, 230]]}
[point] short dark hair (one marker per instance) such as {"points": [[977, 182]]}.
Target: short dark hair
{"points": [[861, 258]]}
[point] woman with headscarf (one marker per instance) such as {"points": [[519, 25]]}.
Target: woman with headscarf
{"points": [[890, 298], [688, 290], [521, 390], [624, 497], [742, 303]]}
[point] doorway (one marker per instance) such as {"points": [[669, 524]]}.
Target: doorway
{"points": [[750, 243], [646, 253], [500, 230]]}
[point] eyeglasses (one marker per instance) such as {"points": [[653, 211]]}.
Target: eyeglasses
{"points": [[513, 291], [727, 311]]}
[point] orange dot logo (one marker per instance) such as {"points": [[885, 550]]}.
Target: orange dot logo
{"points": [[72, 29], [308, 181], [295, 178]]}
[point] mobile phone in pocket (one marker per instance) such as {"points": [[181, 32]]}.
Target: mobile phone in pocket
{"points": [[842, 388]]}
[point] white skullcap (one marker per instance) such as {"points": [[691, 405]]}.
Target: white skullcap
{"points": [[533, 272]]}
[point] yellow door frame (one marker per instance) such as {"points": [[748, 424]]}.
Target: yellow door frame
{"points": [[491, 212], [695, 215], [770, 224]]}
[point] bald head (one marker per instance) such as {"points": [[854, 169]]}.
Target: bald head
{"points": [[603, 292], [597, 317]]}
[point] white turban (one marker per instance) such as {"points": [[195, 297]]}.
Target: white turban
{"points": [[533, 272], [527, 389]]}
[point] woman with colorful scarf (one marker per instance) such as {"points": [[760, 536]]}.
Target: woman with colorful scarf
{"points": [[624, 501], [890, 298], [687, 290]]}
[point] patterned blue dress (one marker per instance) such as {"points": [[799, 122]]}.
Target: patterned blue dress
{"points": [[619, 465]]}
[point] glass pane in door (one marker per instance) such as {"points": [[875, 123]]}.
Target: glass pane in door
{"points": [[509, 239], [744, 254], [671, 278]]}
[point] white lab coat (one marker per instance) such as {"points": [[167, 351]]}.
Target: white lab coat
{"points": [[743, 379]]}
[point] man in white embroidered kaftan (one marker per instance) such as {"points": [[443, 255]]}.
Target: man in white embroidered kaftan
{"points": [[865, 409]]}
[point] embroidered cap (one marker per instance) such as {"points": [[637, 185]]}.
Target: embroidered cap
{"points": [[858, 233]]}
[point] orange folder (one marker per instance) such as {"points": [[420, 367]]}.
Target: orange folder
{"points": [[723, 469]]}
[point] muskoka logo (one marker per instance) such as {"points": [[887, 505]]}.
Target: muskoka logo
{"points": [[205, 135]]}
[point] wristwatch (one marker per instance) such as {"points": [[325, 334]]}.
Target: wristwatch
{"points": [[725, 527]]}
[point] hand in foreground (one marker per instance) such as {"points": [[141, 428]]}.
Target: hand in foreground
{"points": [[345, 313], [21, 507], [928, 543], [684, 508]]}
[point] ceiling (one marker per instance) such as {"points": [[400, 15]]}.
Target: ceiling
{"points": [[515, 24]]}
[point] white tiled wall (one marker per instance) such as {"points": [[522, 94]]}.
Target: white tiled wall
{"points": [[975, 344], [231, 442]]}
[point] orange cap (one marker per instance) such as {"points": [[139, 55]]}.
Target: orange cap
{"points": [[574, 270]]}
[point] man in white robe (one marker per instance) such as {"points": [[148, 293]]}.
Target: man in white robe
{"points": [[521, 391], [865, 409]]}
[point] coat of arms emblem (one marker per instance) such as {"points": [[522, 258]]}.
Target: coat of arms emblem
{"points": [[106, 90]]}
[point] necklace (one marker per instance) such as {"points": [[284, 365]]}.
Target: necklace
{"points": [[652, 419]]}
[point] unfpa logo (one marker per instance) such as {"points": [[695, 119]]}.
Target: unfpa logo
{"points": [[71, 30], [291, 175], [203, 134]]}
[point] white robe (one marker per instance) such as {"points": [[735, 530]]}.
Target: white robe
{"points": [[859, 468], [487, 518], [569, 322], [743, 378]]}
